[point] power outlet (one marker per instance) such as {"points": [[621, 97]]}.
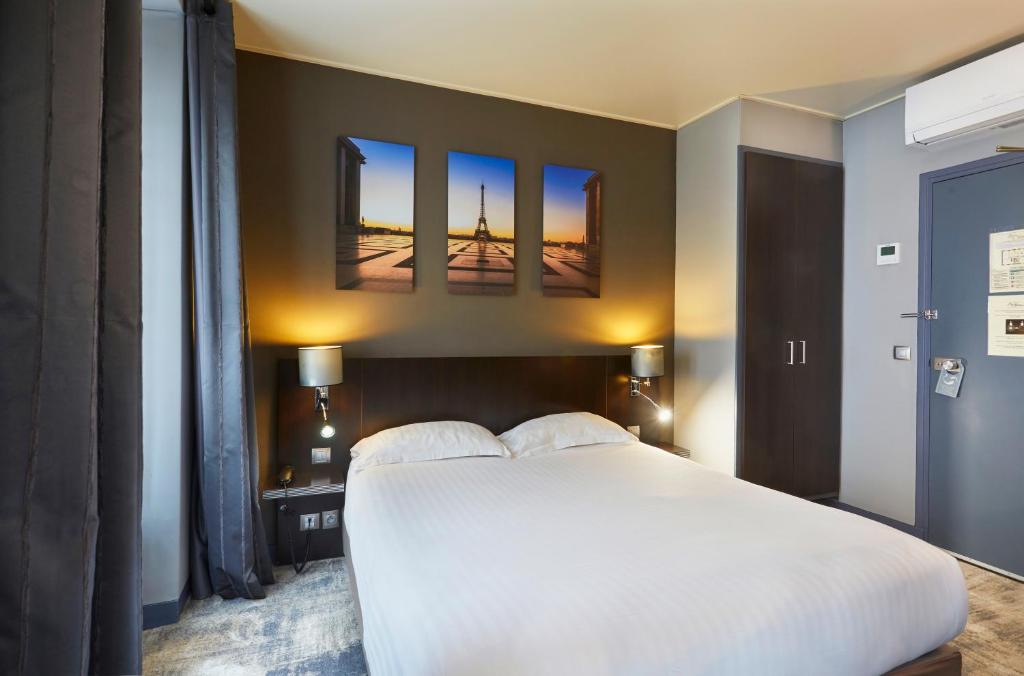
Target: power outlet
{"points": [[634, 430], [309, 521], [329, 519]]}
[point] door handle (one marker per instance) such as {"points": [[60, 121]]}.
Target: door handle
{"points": [[803, 351], [791, 347], [930, 314]]}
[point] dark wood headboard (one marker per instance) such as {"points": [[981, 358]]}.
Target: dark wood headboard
{"points": [[496, 392]]}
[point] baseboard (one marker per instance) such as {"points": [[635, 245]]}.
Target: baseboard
{"points": [[893, 523], [161, 614], [918, 533], [992, 569]]}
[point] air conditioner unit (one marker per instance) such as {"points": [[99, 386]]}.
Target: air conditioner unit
{"points": [[981, 95]]}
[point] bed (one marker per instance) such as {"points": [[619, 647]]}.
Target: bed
{"points": [[624, 559], [620, 559]]}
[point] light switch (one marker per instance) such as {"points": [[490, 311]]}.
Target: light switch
{"points": [[321, 456], [901, 352]]}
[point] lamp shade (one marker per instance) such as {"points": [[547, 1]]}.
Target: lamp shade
{"points": [[648, 361], [319, 366]]}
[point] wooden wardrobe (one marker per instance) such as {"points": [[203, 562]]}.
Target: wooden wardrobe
{"points": [[790, 323]]}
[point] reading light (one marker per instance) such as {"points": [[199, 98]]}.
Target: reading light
{"points": [[320, 367], [647, 361]]}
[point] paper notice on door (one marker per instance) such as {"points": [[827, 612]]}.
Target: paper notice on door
{"points": [[1006, 326], [1006, 261]]}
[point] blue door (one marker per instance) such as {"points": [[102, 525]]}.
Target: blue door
{"points": [[974, 443]]}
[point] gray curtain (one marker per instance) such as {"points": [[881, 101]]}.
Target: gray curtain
{"points": [[229, 548], [70, 327]]}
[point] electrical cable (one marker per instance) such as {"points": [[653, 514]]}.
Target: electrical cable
{"points": [[288, 512]]}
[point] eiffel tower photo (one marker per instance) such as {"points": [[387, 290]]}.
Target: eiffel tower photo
{"points": [[482, 234], [481, 245]]}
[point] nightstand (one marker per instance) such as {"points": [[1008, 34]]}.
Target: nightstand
{"points": [[673, 449], [322, 500]]}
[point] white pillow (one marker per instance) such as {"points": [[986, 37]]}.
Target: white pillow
{"points": [[425, 441], [562, 430]]}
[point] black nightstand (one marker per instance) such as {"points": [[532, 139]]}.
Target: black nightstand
{"points": [[673, 449], [325, 542]]}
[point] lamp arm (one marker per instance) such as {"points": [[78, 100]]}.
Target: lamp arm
{"points": [[653, 403]]}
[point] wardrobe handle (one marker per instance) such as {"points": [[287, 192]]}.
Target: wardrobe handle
{"points": [[803, 351], [790, 362]]}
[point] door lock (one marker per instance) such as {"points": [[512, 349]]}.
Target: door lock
{"points": [[950, 364]]}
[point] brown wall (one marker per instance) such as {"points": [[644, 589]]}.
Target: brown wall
{"points": [[290, 115]]}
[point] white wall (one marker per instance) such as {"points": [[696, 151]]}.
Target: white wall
{"points": [[705, 289], [879, 394], [786, 130], [707, 166], [165, 396], [881, 198]]}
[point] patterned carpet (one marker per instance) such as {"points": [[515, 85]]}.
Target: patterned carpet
{"points": [[307, 625], [993, 642]]}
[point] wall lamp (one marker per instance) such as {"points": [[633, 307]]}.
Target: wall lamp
{"points": [[647, 361], [320, 367]]}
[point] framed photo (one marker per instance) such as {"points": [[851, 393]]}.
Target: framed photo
{"points": [[374, 232], [481, 224], [571, 258]]}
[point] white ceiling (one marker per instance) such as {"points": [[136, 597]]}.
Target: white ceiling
{"points": [[661, 62]]}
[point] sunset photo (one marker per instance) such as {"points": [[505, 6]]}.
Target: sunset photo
{"points": [[375, 232], [481, 224], [572, 232]]}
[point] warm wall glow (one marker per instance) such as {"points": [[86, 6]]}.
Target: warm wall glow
{"points": [[308, 322], [622, 327], [349, 318]]}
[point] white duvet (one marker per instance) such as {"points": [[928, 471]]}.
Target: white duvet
{"points": [[624, 559]]}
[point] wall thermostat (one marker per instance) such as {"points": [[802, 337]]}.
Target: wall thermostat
{"points": [[888, 254]]}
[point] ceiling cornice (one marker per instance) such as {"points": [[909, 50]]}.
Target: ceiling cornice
{"points": [[875, 105], [771, 102], [791, 106], [558, 106], [718, 106]]}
